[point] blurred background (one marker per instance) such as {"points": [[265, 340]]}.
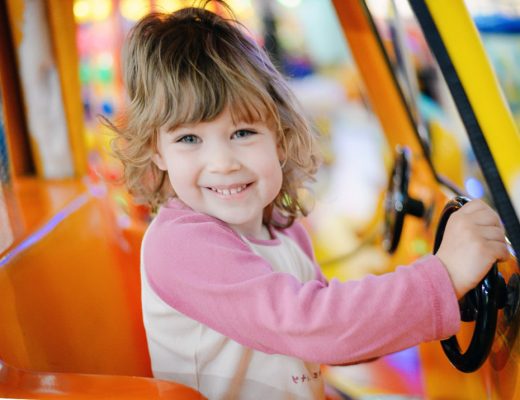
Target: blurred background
{"points": [[306, 42]]}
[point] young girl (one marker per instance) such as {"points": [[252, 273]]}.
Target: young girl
{"points": [[234, 304]]}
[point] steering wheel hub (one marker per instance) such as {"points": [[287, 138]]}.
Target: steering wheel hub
{"points": [[398, 203]]}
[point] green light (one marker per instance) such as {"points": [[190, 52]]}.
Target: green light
{"points": [[419, 246], [85, 74], [105, 75]]}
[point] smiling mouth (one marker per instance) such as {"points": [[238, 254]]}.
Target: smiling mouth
{"points": [[229, 191]]}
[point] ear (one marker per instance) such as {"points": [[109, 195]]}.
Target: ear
{"points": [[159, 161], [282, 154]]}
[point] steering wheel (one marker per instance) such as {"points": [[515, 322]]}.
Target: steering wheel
{"points": [[480, 304], [398, 202]]}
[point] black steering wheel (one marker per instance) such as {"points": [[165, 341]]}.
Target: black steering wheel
{"points": [[480, 304], [398, 202]]}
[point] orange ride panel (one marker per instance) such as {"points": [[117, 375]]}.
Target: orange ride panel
{"points": [[70, 284], [15, 383]]}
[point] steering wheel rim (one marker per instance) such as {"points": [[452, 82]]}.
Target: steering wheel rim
{"points": [[481, 304]]}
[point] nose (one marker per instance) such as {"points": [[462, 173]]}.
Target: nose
{"points": [[222, 159]]}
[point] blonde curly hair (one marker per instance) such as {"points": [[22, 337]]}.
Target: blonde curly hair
{"points": [[187, 67]]}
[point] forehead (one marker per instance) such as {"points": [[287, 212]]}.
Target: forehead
{"points": [[226, 119]]}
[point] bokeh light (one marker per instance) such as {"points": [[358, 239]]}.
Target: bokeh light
{"points": [[169, 5], [133, 10], [240, 6], [290, 3], [474, 188], [81, 11], [101, 9], [86, 11]]}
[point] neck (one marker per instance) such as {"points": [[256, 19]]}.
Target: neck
{"points": [[262, 234]]}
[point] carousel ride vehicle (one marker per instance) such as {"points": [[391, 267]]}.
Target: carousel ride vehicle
{"points": [[69, 268]]}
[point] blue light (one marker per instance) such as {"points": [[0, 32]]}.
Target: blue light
{"points": [[107, 108], [474, 188], [405, 361], [69, 209]]}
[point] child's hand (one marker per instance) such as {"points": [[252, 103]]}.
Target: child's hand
{"points": [[473, 240]]}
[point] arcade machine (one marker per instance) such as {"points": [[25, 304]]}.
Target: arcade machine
{"points": [[481, 360], [69, 273]]}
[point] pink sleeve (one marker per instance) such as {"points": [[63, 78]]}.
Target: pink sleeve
{"points": [[204, 270]]}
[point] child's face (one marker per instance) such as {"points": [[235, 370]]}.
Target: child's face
{"points": [[226, 170]]}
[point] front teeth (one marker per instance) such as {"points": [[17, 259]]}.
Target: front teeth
{"points": [[227, 192]]}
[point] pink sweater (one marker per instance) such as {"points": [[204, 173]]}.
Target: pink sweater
{"points": [[200, 267]]}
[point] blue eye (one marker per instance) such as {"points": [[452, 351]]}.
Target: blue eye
{"points": [[242, 133], [188, 139]]}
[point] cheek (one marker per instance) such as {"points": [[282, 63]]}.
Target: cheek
{"points": [[275, 177], [179, 175]]}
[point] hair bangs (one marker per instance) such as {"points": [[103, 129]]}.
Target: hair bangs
{"points": [[199, 99], [250, 106]]}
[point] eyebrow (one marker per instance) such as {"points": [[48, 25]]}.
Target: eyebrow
{"points": [[170, 129]]}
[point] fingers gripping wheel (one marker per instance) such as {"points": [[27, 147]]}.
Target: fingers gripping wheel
{"points": [[398, 202], [480, 305]]}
